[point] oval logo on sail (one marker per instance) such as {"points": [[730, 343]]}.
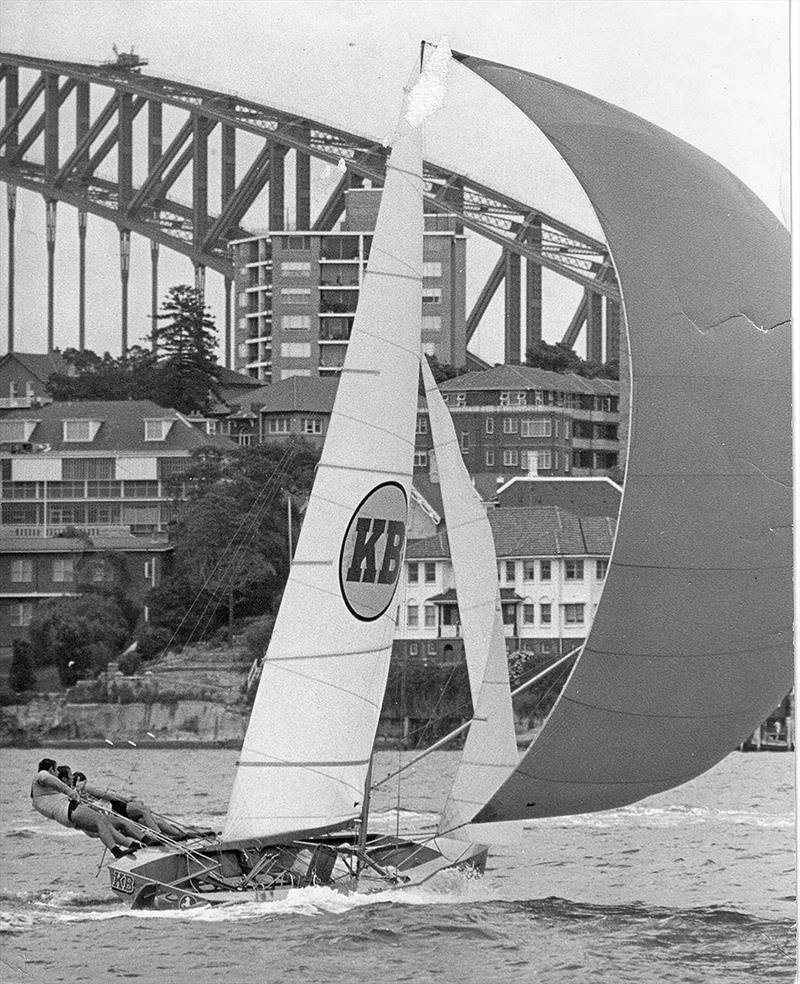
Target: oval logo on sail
{"points": [[372, 551]]}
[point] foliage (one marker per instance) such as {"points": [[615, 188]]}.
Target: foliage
{"points": [[258, 634], [443, 370], [21, 674], [129, 662], [561, 358], [78, 634], [177, 369], [105, 573], [152, 640], [231, 538], [430, 692]]}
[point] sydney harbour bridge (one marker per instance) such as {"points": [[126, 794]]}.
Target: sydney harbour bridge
{"points": [[184, 166]]}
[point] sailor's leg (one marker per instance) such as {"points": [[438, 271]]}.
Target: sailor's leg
{"points": [[91, 822]]}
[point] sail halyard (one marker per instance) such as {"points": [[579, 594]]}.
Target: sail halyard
{"points": [[307, 749], [691, 645], [490, 751]]}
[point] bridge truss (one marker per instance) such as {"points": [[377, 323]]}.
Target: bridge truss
{"points": [[63, 120]]}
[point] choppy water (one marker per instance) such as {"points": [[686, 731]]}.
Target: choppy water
{"points": [[695, 885]]}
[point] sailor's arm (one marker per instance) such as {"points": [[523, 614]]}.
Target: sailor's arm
{"points": [[48, 779]]}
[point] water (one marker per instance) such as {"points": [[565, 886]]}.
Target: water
{"points": [[692, 885]]}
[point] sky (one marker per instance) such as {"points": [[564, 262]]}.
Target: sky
{"points": [[714, 72]]}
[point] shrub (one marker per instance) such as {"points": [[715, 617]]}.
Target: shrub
{"points": [[129, 662], [258, 634], [152, 640], [21, 675]]}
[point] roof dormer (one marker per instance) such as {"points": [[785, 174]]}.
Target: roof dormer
{"points": [[80, 430], [17, 431], [156, 429]]}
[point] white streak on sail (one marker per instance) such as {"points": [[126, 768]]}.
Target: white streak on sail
{"points": [[427, 95], [490, 751], [304, 759]]}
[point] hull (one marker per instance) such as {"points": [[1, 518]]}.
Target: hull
{"points": [[205, 873]]}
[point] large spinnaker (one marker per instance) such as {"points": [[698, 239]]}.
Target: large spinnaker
{"points": [[490, 751], [691, 646], [305, 755]]}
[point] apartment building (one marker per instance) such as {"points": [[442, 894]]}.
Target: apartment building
{"points": [[551, 567], [296, 293], [513, 420]]}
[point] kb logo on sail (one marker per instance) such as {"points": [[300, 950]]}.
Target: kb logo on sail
{"points": [[372, 552]]}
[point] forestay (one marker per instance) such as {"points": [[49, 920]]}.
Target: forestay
{"points": [[490, 751], [691, 646], [305, 755]]}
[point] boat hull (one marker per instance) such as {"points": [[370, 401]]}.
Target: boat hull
{"points": [[204, 873]]}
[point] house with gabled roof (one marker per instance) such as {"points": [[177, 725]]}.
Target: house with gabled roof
{"points": [[24, 375]]}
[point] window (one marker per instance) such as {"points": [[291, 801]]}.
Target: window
{"points": [[431, 322], [527, 614], [545, 570], [311, 425], [244, 300], [545, 614], [420, 459], [465, 440], [545, 459], [431, 269], [461, 399], [432, 295], [22, 569], [573, 570], [528, 567], [566, 428], [521, 397], [80, 430], [296, 242], [489, 425], [430, 617], [412, 616], [511, 570], [295, 270], [21, 612], [296, 350], [508, 614], [430, 571], [431, 648], [103, 490], [156, 430], [413, 573], [422, 425], [413, 649], [510, 425], [16, 431], [601, 569], [510, 457], [573, 614], [13, 389], [296, 295], [63, 569], [296, 322], [278, 425], [490, 459], [505, 399], [536, 428]]}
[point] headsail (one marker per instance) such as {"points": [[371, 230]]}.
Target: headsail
{"points": [[490, 751], [307, 748], [691, 646]]}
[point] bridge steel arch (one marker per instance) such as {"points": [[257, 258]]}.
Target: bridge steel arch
{"points": [[106, 101]]}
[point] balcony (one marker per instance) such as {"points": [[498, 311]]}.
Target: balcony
{"points": [[15, 402]]}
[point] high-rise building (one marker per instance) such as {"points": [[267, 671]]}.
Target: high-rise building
{"points": [[296, 293]]}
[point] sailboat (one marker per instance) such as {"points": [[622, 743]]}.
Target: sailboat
{"points": [[691, 646]]}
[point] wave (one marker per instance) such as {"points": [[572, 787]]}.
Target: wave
{"points": [[667, 816]]}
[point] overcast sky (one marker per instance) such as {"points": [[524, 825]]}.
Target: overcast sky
{"points": [[715, 72]]}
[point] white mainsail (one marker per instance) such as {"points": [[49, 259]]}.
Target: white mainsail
{"points": [[305, 755], [490, 751], [691, 646]]}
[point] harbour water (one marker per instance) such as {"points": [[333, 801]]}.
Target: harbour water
{"points": [[694, 885]]}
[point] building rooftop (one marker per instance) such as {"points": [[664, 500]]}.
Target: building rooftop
{"points": [[74, 544], [512, 377], [121, 427], [38, 364], [308, 394], [588, 496], [532, 531]]}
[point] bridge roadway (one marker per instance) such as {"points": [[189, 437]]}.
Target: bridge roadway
{"points": [[122, 92]]}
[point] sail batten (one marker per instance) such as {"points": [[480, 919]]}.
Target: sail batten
{"points": [[665, 686]]}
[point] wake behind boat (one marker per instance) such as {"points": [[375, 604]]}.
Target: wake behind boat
{"points": [[691, 645]]}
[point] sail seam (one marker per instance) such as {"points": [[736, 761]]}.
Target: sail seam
{"points": [[641, 714]]}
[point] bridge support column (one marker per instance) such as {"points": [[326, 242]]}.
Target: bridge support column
{"points": [[612, 330], [200, 280], [594, 326], [124, 270], [50, 219], [11, 201], [82, 216], [153, 292], [276, 187], [513, 313], [227, 340], [533, 288], [302, 207]]}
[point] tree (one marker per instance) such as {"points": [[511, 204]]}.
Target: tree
{"points": [[184, 345], [443, 370], [78, 634], [561, 358], [21, 675]]}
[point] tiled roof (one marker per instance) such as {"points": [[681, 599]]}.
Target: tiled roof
{"points": [[532, 531], [310, 394], [40, 365], [229, 377], [589, 496], [121, 428], [526, 378], [70, 544]]}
